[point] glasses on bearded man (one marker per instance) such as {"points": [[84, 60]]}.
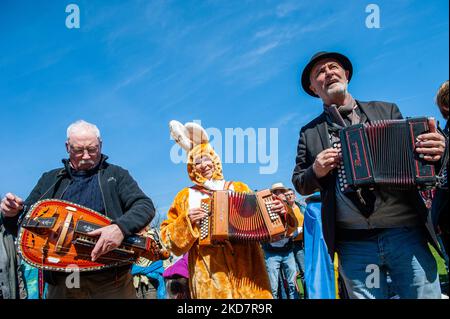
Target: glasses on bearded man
{"points": [[79, 151]]}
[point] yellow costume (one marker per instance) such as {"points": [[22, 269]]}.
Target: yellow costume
{"points": [[221, 271], [225, 271]]}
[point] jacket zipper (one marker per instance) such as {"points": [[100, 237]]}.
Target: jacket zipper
{"points": [[65, 189], [101, 191]]}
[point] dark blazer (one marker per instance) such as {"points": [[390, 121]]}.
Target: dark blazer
{"points": [[314, 138]]}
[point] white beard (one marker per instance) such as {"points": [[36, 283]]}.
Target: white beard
{"points": [[337, 89]]}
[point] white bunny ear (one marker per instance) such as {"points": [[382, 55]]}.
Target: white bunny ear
{"points": [[196, 133], [181, 135]]}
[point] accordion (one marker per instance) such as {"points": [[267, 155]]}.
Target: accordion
{"points": [[240, 217], [383, 153]]}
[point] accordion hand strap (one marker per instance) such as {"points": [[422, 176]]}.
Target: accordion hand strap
{"points": [[202, 190], [209, 192], [227, 185], [443, 174]]}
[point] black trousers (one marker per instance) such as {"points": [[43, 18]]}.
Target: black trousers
{"points": [[114, 283]]}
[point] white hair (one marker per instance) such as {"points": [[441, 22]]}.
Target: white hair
{"points": [[81, 125]]}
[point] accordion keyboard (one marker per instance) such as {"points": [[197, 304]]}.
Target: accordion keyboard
{"points": [[269, 203], [204, 223], [341, 175]]}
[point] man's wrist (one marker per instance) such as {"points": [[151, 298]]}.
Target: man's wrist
{"points": [[3, 214], [315, 171]]}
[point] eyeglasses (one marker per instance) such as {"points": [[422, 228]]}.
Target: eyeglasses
{"points": [[79, 151]]}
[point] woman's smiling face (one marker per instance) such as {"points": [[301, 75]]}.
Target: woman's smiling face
{"points": [[204, 166]]}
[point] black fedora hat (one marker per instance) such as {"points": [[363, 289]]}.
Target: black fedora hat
{"points": [[343, 60]]}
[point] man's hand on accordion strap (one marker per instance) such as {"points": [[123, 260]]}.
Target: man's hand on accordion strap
{"points": [[196, 215], [326, 161], [431, 145]]}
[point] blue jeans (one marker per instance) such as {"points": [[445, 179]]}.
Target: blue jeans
{"points": [[401, 252], [284, 261]]}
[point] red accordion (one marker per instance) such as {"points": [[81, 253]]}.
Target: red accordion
{"points": [[383, 153], [240, 217]]}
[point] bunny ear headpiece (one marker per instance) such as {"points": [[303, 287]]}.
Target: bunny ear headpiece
{"points": [[194, 140], [189, 135]]}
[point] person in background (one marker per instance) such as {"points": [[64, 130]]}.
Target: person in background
{"points": [[12, 284], [147, 275], [279, 256], [440, 209], [176, 277], [299, 252]]}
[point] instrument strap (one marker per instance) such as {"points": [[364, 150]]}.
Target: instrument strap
{"points": [[443, 174], [202, 190], [427, 197], [227, 185], [208, 192], [41, 283]]}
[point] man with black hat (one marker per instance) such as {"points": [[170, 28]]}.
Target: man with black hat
{"points": [[375, 232]]}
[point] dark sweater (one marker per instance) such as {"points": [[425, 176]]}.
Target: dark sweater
{"points": [[84, 190]]}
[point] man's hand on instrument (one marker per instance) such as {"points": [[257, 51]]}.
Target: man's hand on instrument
{"points": [[196, 215], [278, 206], [11, 205], [110, 237], [431, 145], [326, 161], [297, 232]]}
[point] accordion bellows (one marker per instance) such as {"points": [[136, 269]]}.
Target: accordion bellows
{"points": [[240, 217], [383, 153]]}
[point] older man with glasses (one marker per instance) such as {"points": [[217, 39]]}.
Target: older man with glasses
{"points": [[89, 180]]}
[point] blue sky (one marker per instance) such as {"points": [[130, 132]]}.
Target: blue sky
{"points": [[133, 66]]}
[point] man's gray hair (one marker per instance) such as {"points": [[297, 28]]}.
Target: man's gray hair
{"points": [[81, 125]]}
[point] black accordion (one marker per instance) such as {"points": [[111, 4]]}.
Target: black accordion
{"points": [[383, 153]]}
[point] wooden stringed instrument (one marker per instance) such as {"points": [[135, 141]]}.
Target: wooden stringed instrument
{"points": [[54, 236]]}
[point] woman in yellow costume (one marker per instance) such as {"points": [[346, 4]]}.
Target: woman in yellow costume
{"points": [[218, 271]]}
